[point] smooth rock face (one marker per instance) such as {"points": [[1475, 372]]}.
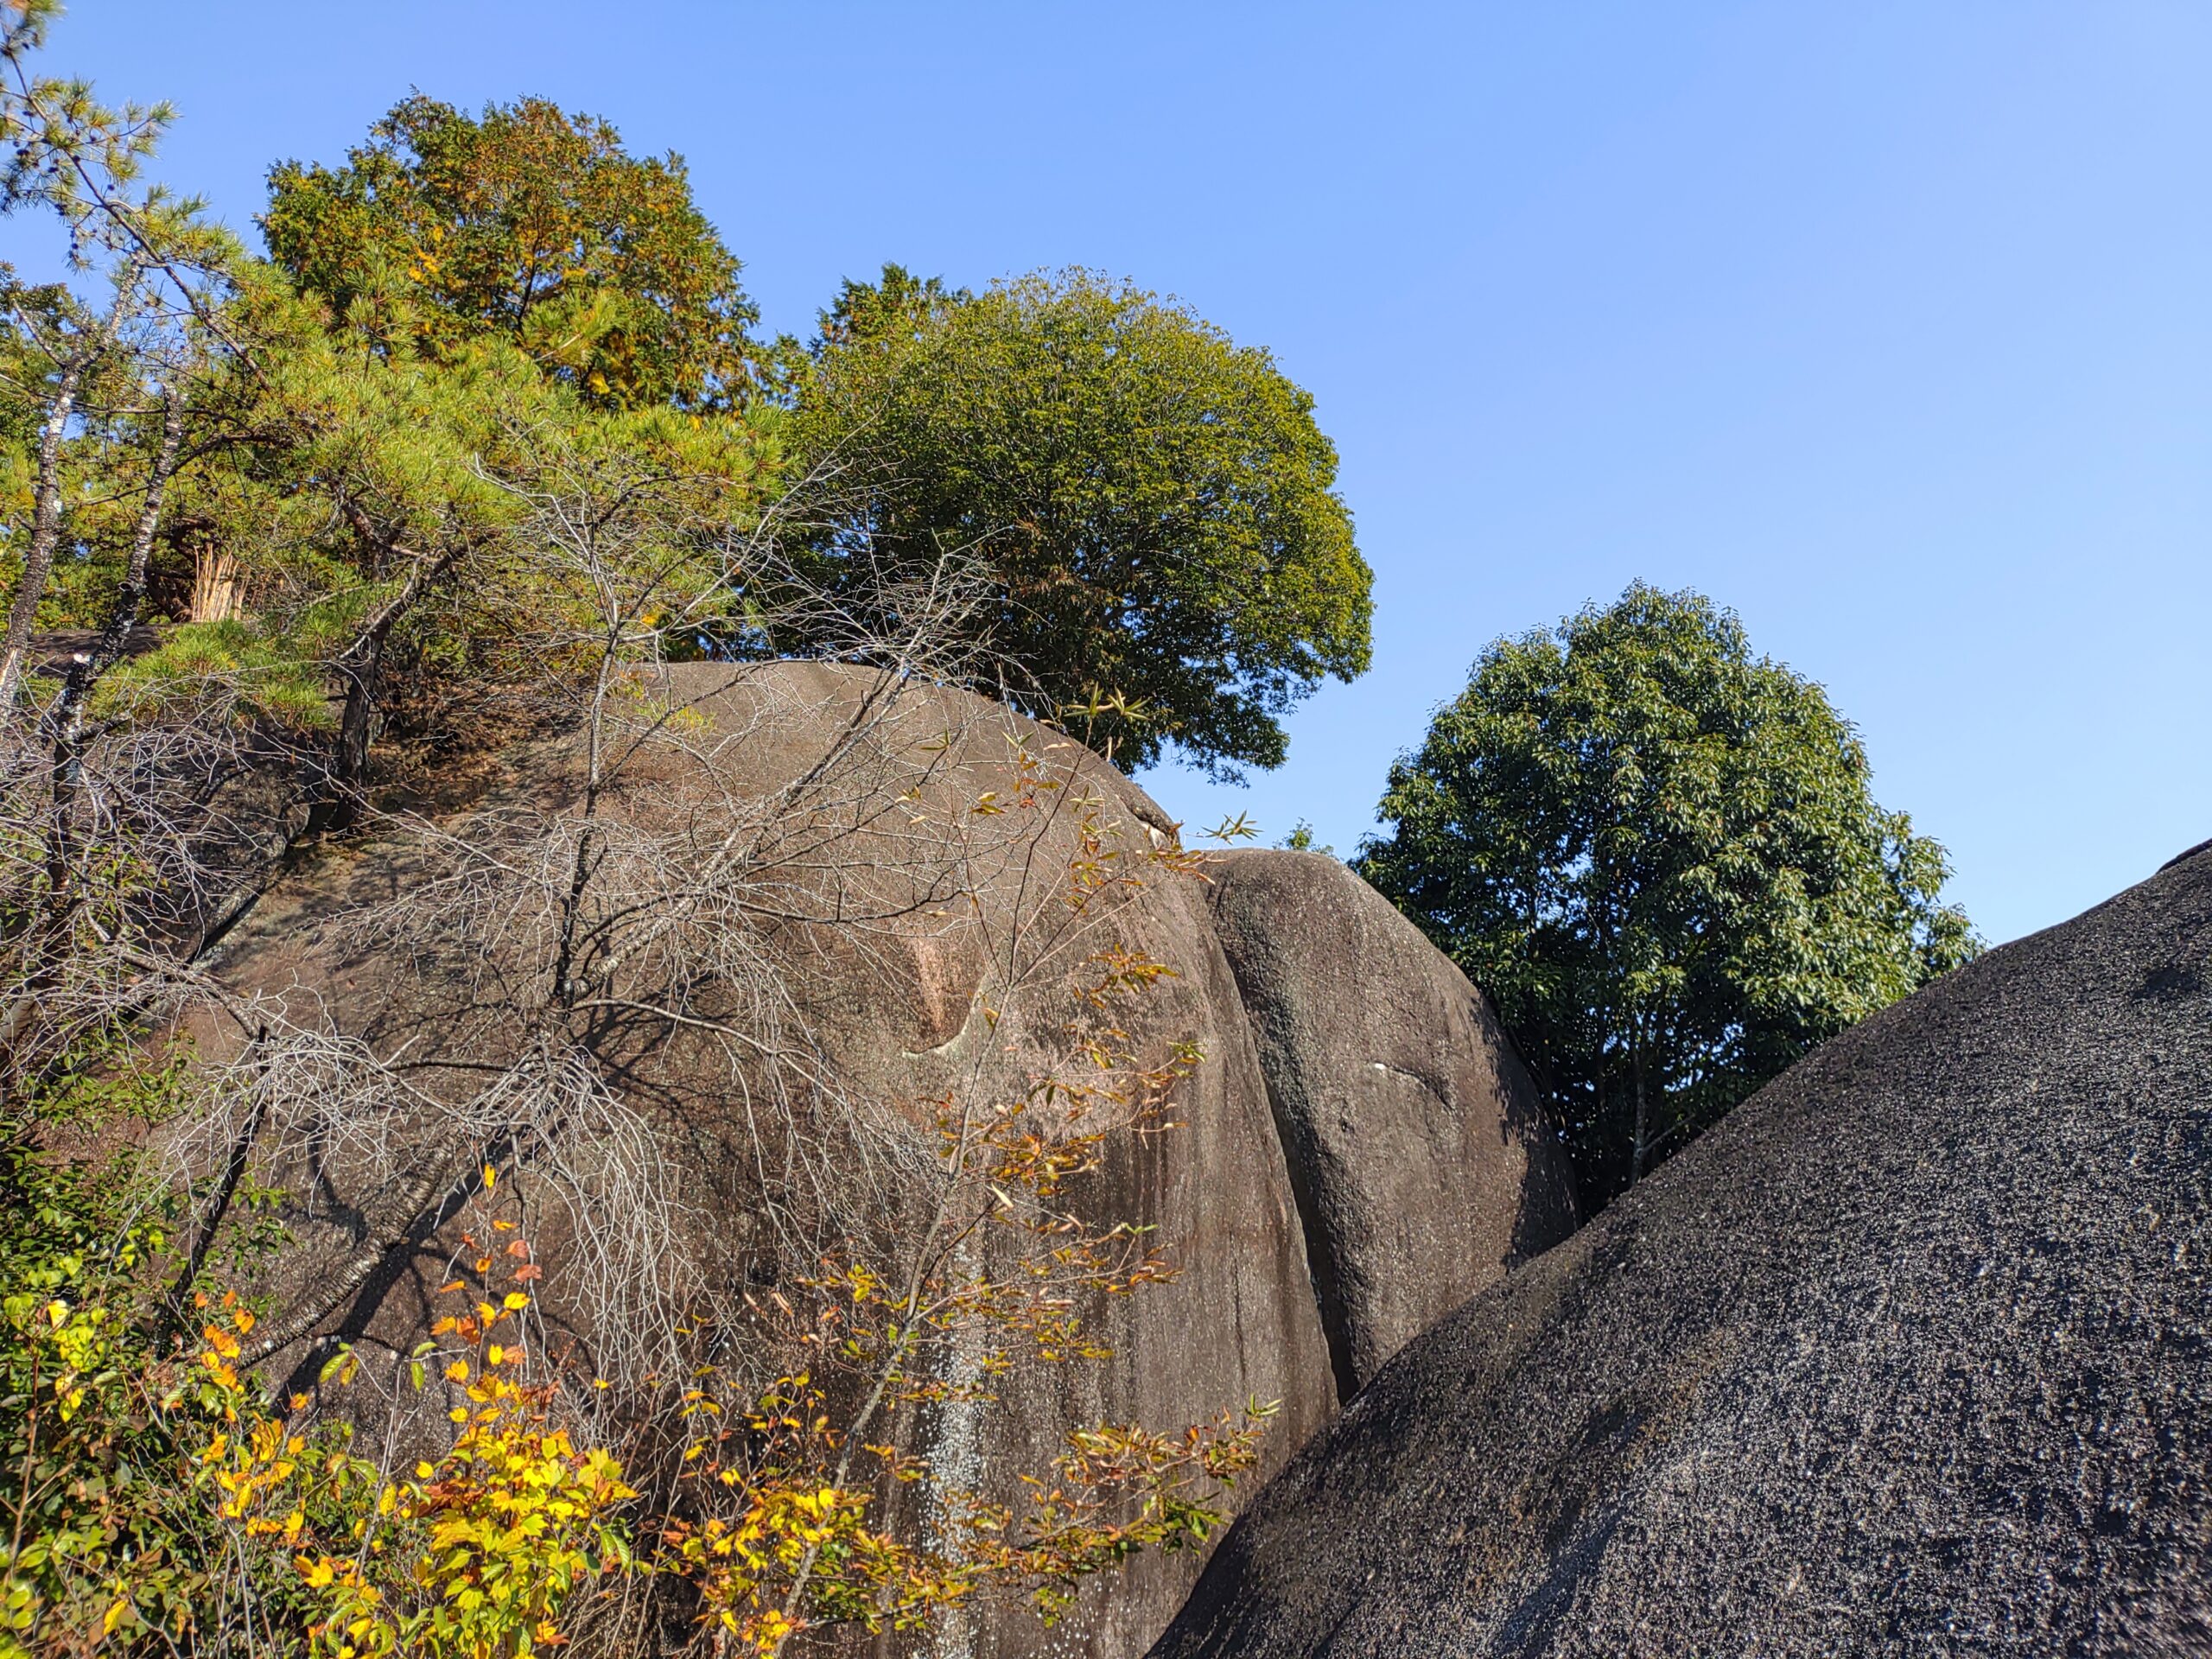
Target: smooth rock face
{"points": [[1912, 1355], [891, 1011], [1422, 1169]]}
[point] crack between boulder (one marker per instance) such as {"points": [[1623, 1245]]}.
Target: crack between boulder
{"points": [[1321, 1273]]}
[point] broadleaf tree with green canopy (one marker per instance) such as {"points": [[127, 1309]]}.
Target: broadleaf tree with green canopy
{"points": [[1660, 854], [1153, 506]]}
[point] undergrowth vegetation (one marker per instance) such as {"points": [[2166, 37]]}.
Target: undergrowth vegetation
{"points": [[167, 1501]]}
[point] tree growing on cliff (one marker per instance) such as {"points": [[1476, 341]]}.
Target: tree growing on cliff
{"points": [[1155, 504], [1660, 854], [373, 492]]}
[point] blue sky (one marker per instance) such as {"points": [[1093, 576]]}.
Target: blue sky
{"points": [[1888, 325]]}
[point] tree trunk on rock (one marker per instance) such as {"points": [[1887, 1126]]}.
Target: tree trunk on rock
{"points": [[217, 592]]}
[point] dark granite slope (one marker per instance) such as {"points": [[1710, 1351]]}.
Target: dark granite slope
{"points": [[1912, 1355]]}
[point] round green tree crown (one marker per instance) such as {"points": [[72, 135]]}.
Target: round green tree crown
{"points": [[1660, 854], [1152, 506]]}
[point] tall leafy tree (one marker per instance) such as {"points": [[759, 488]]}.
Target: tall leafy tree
{"points": [[1660, 854], [464, 296], [530, 225], [1153, 505]]}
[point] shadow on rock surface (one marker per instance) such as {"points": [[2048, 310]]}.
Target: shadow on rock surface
{"points": [[1911, 1354]]}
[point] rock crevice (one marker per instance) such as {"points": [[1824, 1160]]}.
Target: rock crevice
{"points": [[1906, 1356], [1415, 1144]]}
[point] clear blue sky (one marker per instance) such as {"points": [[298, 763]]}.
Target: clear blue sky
{"points": [[1888, 325]]}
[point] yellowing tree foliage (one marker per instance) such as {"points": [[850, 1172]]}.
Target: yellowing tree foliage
{"points": [[529, 224]]}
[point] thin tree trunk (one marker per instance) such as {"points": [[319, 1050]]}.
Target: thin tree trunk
{"points": [[406, 1220], [361, 664], [564, 961], [45, 532], [341, 805], [1642, 1105], [46, 510], [68, 719], [63, 728], [211, 1221]]}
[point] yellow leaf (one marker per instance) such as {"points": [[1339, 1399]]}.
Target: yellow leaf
{"points": [[491, 1177]]}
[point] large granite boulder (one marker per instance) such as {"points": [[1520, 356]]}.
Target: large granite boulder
{"points": [[897, 925], [1911, 1354], [1414, 1146]]}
